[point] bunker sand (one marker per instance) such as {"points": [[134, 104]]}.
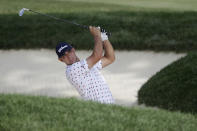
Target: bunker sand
{"points": [[38, 72]]}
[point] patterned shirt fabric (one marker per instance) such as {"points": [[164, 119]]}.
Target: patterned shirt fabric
{"points": [[90, 84]]}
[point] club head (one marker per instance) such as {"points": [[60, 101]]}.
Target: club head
{"points": [[21, 12]]}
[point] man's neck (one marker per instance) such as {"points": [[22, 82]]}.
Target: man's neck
{"points": [[76, 60]]}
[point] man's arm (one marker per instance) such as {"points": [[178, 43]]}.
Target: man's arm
{"points": [[109, 56], [98, 47]]}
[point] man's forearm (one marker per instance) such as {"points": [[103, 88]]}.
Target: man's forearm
{"points": [[98, 47], [109, 51]]}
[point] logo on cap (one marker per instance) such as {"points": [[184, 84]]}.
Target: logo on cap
{"points": [[61, 48]]}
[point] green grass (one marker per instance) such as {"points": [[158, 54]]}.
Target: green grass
{"points": [[174, 87], [137, 24], [32, 113]]}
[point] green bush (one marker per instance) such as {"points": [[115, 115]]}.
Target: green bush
{"points": [[174, 87], [131, 27]]}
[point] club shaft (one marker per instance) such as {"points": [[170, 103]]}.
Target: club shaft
{"points": [[63, 20]]}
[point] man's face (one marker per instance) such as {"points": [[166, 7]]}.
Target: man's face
{"points": [[69, 57]]}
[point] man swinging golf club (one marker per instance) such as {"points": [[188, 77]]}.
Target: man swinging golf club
{"points": [[84, 74]]}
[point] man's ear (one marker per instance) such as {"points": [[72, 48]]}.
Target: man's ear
{"points": [[60, 59]]}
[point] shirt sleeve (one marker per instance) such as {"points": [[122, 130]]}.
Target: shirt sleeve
{"points": [[84, 64], [98, 65]]}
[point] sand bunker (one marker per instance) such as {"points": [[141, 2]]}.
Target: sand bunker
{"points": [[38, 72]]}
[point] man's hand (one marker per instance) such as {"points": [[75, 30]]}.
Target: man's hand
{"points": [[95, 31]]}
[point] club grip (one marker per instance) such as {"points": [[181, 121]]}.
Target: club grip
{"points": [[108, 34]]}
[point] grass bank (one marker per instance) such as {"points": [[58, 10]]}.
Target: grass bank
{"points": [[174, 87], [141, 25], [20, 112]]}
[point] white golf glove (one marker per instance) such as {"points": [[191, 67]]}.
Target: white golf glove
{"points": [[104, 36]]}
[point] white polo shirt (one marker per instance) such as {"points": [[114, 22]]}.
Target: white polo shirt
{"points": [[90, 84]]}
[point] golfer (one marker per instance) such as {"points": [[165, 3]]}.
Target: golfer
{"points": [[84, 74]]}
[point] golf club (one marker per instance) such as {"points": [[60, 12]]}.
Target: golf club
{"points": [[21, 12]]}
